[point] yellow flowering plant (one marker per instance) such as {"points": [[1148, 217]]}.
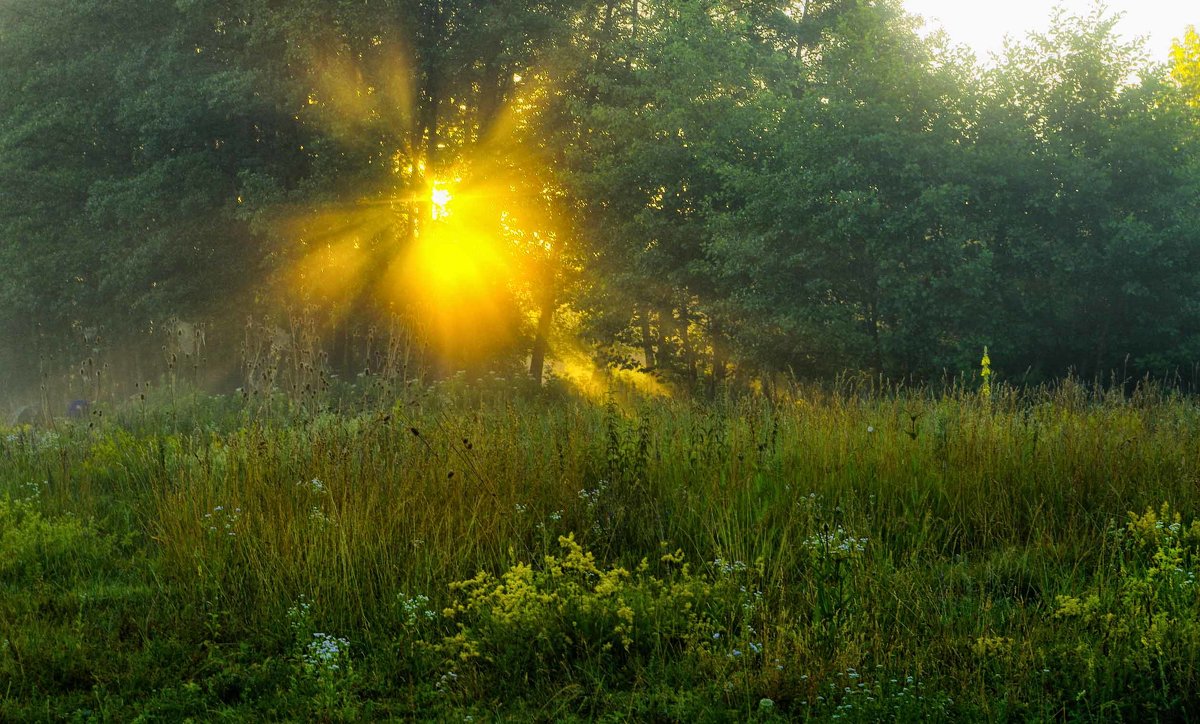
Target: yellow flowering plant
{"points": [[569, 613]]}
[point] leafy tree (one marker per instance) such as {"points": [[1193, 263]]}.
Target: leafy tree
{"points": [[669, 98], [1185, 63], [849, 245], [400, 96], [1090, 198], [125, 131]]}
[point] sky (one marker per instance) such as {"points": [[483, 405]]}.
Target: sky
{"points": [[982, 24]]}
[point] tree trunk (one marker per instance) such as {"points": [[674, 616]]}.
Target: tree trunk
{"points": [[685, 341], [718, 358], [493, 89], [1102, 346], [647, 339], [428, 127], [541, 342]]}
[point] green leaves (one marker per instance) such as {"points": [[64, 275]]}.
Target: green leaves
{"points": [[710, 185], [1185, 64]]}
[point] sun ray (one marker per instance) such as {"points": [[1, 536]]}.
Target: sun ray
{"points": [[459, 245]]}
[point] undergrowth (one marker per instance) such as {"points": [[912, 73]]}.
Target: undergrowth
{"points": [[478, 551]]}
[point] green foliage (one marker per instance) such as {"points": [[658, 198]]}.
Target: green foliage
{"points": [[1185, 64], [728, 188], [1085, 263], [1132, 643], [866, 553], [324, 668], [720, 188], [570, 619], [68, 597]]}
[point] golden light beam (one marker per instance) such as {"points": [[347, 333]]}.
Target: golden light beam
{"points": [[457, 244]]}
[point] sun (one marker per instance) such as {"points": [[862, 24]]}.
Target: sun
{"points": [[449, 247], [439, 202]]}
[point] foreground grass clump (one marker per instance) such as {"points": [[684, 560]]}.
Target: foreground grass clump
{"points": [[476, 551]]}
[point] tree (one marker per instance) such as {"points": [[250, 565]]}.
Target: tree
{"points": [[709, 185], [848, 246], [1090, 198], [1185, 63], [167, 159], [668, 95]]}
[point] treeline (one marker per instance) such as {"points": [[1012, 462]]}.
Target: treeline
{"points": [[699, 187]]}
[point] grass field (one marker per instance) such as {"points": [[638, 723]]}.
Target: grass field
{"points": [[482, 551]]}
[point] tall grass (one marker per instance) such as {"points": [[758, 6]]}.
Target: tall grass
{"points": [[921, 545]]}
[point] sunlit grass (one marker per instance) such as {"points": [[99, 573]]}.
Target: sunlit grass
{"points": [[964, 523]]}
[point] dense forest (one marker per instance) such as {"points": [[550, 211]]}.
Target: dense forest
{"points": [[705, 189]]}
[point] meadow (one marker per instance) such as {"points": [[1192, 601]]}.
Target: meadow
{"points": [[487, 550]]}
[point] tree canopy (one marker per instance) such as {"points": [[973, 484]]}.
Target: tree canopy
{"points": [[697, 188]]}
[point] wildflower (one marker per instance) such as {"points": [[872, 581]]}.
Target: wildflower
{"points": [[837, 543], [446, 679], [315, 485], [325, 652], [415, 607], [985, 373], [727, 567], [222, 519]]}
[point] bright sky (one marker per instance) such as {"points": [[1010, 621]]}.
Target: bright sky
{"points": [[982, 24]]}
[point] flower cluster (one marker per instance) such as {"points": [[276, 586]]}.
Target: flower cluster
{"points": [[532, 617], [836, 543], [222, 520], [315, 485], [853, 697], [415, 608], [32, 490], [325, 653], [299, 617], [592, 497], [554, 517], [598, 512], [727, 568]]}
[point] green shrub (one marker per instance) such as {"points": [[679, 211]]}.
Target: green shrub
{"points": [[568, 618], [1132, 642]]}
